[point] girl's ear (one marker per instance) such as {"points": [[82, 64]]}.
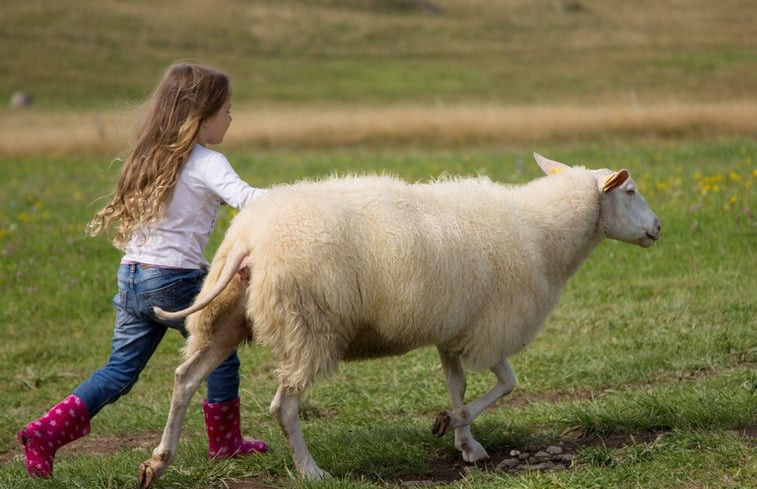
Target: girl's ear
{"points": [[550, 167]]}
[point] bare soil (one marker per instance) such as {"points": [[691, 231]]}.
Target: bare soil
{"points": [[99, 445]]}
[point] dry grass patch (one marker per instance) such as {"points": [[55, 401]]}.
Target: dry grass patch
{"points": [[33, 132]]}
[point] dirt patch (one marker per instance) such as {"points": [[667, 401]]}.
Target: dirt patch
{"points": [[521, 398], [250, 483], [108, 445], [99, 445], [8, 456], [556, 455], [553, 456]]}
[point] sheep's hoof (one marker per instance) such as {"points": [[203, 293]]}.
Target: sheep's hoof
{"points": [[473, 452], [147, 475], [441, 423]]}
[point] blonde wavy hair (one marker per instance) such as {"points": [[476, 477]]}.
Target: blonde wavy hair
{"points": [[187, 95]]}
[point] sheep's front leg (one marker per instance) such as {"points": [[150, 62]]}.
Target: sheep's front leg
{"points": [[463, 415], [285, 408], [189, 376]]}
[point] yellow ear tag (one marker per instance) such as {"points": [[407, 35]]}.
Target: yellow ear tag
{"points": [[555, 170], [609, 182]]}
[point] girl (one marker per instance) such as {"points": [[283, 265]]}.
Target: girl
{"points": [[163, 211]]}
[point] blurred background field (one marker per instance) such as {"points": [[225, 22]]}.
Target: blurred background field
{"points": [[335, 72], [656, 346]]}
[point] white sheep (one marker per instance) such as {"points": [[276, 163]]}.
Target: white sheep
{"points": [[362, 267]]}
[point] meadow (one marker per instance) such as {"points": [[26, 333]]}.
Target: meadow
{"points": [[646, 368], [645, 374]]}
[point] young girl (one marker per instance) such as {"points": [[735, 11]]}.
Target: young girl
{"points": [[164, 210]]}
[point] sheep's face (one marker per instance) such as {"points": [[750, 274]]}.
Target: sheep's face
{"points": [[625, 214]]}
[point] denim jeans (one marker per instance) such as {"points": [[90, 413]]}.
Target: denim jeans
{"points": [[138, 332]]}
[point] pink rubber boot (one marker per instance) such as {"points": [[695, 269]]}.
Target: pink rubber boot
{"points": [[224, 433], [40, 439]]}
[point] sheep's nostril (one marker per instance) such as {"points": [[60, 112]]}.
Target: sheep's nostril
{"points": [[654, 233]]}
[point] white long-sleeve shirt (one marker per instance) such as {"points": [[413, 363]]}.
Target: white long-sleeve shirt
{"points": [[179, 238]]}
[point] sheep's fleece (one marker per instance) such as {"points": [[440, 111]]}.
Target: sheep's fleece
{"points": [[366, 266]]}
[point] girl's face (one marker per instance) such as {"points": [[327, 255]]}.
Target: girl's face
{"points": [[213, 129]]}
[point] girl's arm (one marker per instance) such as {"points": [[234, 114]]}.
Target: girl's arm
{"points": [[227, 185]]}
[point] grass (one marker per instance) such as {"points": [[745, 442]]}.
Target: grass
{"points": [[84, 55], [650, 351]]}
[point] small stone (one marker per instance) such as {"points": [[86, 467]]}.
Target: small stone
{"points": [[554, 450], [523, 456], [508, 463], [542, 456], [514, 453], [567, 458], [19, 100]]}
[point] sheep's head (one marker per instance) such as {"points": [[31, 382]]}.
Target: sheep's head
{"points": [[625, 215]]}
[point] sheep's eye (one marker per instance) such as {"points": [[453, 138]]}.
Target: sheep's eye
{"points": [[631, 192]]}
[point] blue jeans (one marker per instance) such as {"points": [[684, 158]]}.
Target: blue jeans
{"points": [[138, 332]]}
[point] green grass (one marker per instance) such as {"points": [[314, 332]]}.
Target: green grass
{"points": [[100, 55], [660, 341]]}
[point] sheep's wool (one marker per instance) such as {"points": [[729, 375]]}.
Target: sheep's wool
{"points": [[361, 267]]}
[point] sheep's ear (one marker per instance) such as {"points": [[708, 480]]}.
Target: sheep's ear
{"points": [[613, 181], [550, 167]]}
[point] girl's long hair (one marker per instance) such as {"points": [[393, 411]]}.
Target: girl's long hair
{"points": [[187, 95]]}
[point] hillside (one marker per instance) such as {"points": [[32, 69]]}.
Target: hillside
{"points": [[79, 54], [289, 55]]}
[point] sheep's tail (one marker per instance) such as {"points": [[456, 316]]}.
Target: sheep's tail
{"points": [[236, 261]]}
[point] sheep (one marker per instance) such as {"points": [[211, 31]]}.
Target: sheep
{"points": [[362, 267]]}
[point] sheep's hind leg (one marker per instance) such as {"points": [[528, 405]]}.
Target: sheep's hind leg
{"points": [[463, 415], [285, 408], [189, 376], [471, 449]]}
